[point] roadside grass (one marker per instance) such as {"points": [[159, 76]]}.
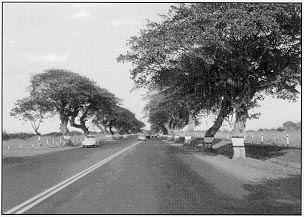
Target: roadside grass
{"points": [[269, 137], [31, 146]]}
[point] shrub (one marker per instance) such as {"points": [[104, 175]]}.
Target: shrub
{"points": [[5, 135]]}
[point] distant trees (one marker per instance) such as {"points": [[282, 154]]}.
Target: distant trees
{"points": [[221, 57], [289, 125], [73, 97], [120, 118]]}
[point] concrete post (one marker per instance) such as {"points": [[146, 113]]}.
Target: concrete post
{"points": [[238, 147]]}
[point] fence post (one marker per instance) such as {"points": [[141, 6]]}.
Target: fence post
{"points": [[287, 140]]}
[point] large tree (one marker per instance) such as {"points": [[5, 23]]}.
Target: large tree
{"points": [[245, 50], [70, 95]]}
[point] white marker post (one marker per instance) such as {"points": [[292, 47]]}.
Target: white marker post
{"points": [[39, 141], [287, 140], [262, 138], [32, 145]]}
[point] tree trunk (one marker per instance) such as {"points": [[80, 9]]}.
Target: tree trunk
{"points": [[110, 128], [191, 123], [37, 133], [164, 129], [106, 130], [64, 126], [224, 111], [79, 126], [99, 126], [240, 121]]}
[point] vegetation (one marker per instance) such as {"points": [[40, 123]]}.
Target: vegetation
{"points": [[220, 57], [120, 118], [73, 97]]}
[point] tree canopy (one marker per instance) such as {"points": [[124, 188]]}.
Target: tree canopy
{"points": [[75, 98], [229, 54]]}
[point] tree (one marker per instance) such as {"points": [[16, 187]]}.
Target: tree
{"points": [[70, 95], [167, 111], [118, 117], [245, 50], [99, 99], [31, 110]]}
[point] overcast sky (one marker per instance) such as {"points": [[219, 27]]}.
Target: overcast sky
{"points": [[87, 39]]}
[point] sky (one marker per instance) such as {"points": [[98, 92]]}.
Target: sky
{"points": [[87, 39]]}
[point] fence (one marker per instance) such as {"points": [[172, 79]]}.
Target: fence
{"points": [[285, 138], [37, 141]]}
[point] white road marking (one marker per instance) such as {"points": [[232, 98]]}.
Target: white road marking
{"points": [[26, 205]]}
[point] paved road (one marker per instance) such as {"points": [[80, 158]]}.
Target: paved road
{"points": [[151, 178]]}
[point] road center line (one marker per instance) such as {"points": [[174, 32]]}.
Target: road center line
{"points": [[26, 205]]}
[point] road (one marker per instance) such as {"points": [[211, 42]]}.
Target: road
{"points": [[151, 177]]}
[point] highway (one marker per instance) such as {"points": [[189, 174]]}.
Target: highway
{"points": [[150, 177]]}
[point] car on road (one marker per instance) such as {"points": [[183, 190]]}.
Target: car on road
{"points": [[142, 137], [90, 141]]}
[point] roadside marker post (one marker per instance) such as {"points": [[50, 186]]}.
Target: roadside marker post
{"points": [[39, 141], [287, 140], [262, 138], [32, 146]]}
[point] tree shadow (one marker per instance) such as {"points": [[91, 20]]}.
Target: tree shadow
{"points": [[279, 196], [255, 151]]}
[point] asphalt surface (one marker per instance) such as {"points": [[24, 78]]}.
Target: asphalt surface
{"points": [[151, 178]]}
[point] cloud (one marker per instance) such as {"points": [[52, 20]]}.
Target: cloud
{"points": [[82, 15], [47, 57], [124, 22]]}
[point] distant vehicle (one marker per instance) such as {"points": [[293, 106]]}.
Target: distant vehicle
{"points": [[142, 137], [90, 141]]}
